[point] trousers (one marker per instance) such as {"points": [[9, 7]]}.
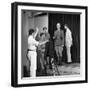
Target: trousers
{"points": [[59, 50], [32, 55], [69, 54]]}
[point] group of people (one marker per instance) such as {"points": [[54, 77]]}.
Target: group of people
{"points": [[43, 48]]}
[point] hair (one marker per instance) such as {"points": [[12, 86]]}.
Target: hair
{"points": [[31, 31], [58, 23], [44, 28], [66, 25], [41, 34]]}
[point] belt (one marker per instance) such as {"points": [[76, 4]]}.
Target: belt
{"points": [[30, 50]]}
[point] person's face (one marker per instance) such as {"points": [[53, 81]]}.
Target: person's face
{"points": [[58, 26], [45, 30], [43, 36], [33, 34], [65, 27]]}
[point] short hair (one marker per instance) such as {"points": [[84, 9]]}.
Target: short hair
{"points": [[41, 34], [58, 23], [31, 31], [44, 28], [66, 25]]}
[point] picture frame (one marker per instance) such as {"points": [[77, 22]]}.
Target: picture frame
{"points": [[18, 12]]}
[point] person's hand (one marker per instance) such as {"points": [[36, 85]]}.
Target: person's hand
{"points": [[53, 37], [62, 45], [47, 41]]}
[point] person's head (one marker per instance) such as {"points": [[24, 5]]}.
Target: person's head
{"points": [[65, 26], [42, 36], [31, 32], [58, 26], [45, 29]]}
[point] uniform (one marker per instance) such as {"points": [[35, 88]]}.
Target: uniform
{"points": [[59, 43]]}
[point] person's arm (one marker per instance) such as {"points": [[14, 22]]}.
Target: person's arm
{"points": [[48, 36], [62, 36], [54, 35], [71, 37], [36, 32], [36, 43], [41, 43]]}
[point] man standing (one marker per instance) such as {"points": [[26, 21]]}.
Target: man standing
{"points": [[32, 54], [68, 43], [59, 42], [47, 37]]}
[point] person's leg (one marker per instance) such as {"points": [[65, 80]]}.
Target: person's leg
{"points": [[29, 58], [46, 57], [44, 69], [60, 51], [33, 64], [42, 60], [68, 55], [50, 62], [57, 53], [60, 54]]}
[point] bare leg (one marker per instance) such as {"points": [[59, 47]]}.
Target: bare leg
{"points": [[57, 52], [60, 54]]}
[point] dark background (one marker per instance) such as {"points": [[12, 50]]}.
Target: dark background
{"points": [[73, 22]]}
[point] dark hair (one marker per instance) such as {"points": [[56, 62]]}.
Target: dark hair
{"points": [[44, 28], [41, 34], [31, 31], [66, 25]]}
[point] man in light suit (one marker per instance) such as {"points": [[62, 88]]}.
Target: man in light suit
{"points": [[68, 43]]}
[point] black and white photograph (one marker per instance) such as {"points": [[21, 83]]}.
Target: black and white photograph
{"points": [[49, 44]]}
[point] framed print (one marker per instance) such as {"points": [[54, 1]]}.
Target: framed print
{"points": [[49, 44]]}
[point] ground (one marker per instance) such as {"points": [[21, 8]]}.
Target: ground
{"points": [[65, 69]]}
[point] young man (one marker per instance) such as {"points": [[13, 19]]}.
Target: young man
{"points": [[59, 42], [68, 43], [32, 54], [42, 50], [46, 37]]}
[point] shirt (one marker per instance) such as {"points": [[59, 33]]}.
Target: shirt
{"points": [[59, 38], [42, 47], [32, 43], [47, 36]]}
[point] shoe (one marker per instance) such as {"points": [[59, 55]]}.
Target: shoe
{"points": [[69, 62]]}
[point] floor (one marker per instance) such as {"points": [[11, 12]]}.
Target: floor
{"points": [[65, 69]]}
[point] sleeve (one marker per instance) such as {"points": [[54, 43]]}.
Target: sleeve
{"points": [[55, 34], [70, 37], [48, 35], [36, 43], [37, 37]]}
